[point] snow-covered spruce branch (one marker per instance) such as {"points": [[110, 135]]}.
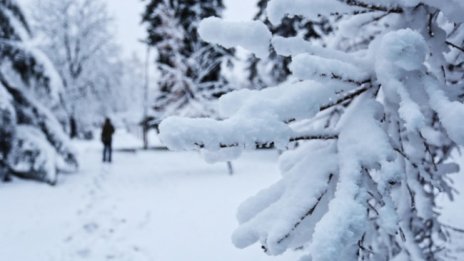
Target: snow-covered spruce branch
{"points": [[253, 134], [394, 113]]}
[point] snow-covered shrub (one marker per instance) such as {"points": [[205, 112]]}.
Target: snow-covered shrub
{"points": [[32, 142], [31, 113], [32, 156], [376, 113]]}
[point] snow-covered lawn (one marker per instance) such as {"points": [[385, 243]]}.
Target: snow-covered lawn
{"points": [[156, 205]]}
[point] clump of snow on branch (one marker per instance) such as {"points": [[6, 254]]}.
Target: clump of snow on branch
{"points": [[253, 36], [278, 9], [405, 49], [248, 125]]}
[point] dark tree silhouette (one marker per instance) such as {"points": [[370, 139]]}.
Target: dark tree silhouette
{"points": [[190, 68]]}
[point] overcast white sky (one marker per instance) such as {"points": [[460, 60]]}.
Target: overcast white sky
{"points": [[127, 19]]}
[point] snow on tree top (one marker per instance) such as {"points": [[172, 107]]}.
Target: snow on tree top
{"points": [[253, 36]]}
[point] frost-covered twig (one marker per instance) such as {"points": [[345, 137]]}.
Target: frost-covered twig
{"points": [[374, 7], [406, 157], [314, 137], [455, 46], [460, 230], [346, 97], [270, 144]]}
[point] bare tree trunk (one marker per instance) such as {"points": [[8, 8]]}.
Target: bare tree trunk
{"points": [[145, 98], [230, 168]]}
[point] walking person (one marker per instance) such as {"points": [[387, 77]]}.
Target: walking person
{"points": [[107, 139], [72, 128]]}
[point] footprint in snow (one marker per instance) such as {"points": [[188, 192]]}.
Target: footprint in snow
{"points": [[90, 227], [84, 253]]}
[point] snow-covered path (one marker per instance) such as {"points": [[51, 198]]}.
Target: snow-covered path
{"points": [[157, 205], [146, 206]]}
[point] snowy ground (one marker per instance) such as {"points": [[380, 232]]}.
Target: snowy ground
{"points": [[155, 205]]}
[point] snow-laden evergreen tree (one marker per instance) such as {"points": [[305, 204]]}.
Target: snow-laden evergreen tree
{"points": [[190, 69], [377, 113], [274, 70], [32, 143]]}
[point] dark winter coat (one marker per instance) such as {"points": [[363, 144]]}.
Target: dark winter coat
{"points": [[107, 133], [72, 128]]}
